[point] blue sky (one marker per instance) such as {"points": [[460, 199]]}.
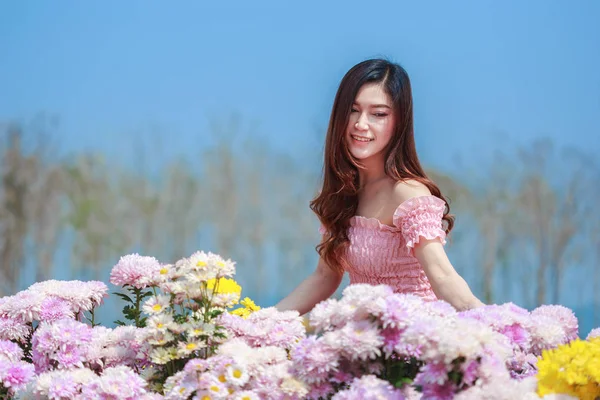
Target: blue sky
{"points": [[485, 74]]}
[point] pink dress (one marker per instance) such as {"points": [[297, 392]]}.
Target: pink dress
{"points": [[383, 254]]}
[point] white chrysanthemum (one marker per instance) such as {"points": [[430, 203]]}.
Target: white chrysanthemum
{"points": [[197, 276], [200, 329], [225, 300], [361, 295], [189, 347], [156, 304], [172, 287], [237, 375], [323, 314], [245, 395], [160, 338], [237, 348], [163, 355], [214, 388], [78, 375], [160, 322], [222, 266], [294, 388]]}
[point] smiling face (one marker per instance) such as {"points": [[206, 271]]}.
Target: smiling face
{"points": [[371, 123]]}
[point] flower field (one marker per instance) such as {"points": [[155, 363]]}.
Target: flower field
{"points": [[186, 333]]}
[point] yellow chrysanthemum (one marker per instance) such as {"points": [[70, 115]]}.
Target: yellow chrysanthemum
{"points": [[572, 369], [223, 285], [248, 308], [249, 304], [241, 312]]}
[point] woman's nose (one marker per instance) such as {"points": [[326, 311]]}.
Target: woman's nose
{"points": [[361, 123]]}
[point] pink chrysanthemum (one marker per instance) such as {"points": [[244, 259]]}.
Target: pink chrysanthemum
{"points": [[314, 360], [15, 375], [135, 270], [562, 315], [369, 387], [593, 334], [432, 374], [115, 383], [10, 351], [61, 345], [64, 387], [82, 296], [23, 307], [53, 309], [266, 327], [12, 329], [358, 340]]}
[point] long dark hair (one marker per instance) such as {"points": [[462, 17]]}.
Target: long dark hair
{"points": [[337, 201]]}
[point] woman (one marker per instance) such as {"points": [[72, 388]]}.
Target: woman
{"points": [[382, 220]]}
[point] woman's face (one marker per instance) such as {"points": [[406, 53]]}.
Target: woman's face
{"points": [[371, 124]]}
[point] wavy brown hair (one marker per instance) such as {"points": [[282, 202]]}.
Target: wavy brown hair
{"points": [[337, 201]]}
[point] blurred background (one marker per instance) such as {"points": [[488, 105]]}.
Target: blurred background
{"points": [[166, 128]]}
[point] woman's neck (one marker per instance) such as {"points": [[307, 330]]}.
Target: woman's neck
{"points": [[373, 172]]}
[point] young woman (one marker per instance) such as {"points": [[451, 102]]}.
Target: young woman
{"points": [[382, 219]]}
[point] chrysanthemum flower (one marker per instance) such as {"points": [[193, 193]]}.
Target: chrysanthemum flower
{"points": [[135, 270]]}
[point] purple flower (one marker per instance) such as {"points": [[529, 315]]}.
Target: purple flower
{"points": [[53, 309], [23, 307], [470, 372], [369, 387], [594, 333], [314, 360], [115, 383], [398, 311], [15, 375], [61, 344], [10, 351], [12, 329], [358, 340], [432, 374], [266, 327], [517, 335], [439, 392], [135, 270], [564, 316], [63, 387]]}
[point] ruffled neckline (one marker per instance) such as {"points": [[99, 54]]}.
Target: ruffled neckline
{"points": [[401, 211], [371, 223]]}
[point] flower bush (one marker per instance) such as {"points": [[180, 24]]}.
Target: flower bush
{"points": [[186, 333]]}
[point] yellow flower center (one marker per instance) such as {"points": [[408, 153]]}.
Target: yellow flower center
{"points": [[191, 346], [237, 373], [164, 271], [156, 307], [222, 378], [215, 389], [201, 264]]}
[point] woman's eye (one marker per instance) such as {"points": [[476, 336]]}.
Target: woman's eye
{"points": [[354, 110], [381, 115]]}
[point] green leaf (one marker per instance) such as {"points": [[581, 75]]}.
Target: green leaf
{"points": [[124, 297]]}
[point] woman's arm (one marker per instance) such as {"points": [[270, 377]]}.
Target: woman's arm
{"points": [[319, 286], [446, 283]]}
